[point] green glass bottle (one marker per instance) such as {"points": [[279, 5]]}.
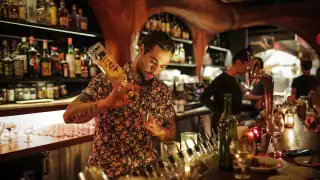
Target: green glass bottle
{"points": [[227, 132]]}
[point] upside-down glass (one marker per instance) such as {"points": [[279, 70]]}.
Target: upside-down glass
{"points": [[275, 128], [243, 151], [2, 126], [28, 130]]}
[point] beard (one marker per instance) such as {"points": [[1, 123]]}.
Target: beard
{"points": [[143, 79]]}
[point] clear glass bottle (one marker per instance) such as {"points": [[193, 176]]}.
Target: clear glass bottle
{"points": [[70, 58], [7, 61], [77, 62], [24, 54], [73, 22]]}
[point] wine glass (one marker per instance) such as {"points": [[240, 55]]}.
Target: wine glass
{"points": [[2, 127], [28, 130], [243, 151], [275, 128], [9, 126], [16, 131]]}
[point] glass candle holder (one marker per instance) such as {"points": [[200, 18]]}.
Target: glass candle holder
{"points": [[289, 120], [187, 137], [169, 147]]}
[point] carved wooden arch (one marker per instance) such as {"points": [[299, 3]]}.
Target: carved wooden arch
{"points": [[121, 21]]}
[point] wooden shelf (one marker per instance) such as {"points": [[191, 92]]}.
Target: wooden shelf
{"points": [[182, 65], [19, 109], [5, 80], [39, 144], [50, 28], [187, 41]]}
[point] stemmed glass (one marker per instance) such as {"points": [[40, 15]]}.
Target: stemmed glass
{"points": [[28, 130], [10, 126], [275, 128], [243, 151], [16, 131], [2, 126]]}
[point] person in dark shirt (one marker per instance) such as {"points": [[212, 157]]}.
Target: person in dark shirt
{"points": [[226, 83], [305, 84]]}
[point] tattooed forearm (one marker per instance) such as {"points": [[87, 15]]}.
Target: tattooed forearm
{"points": [[83, 97], [82, 117]]}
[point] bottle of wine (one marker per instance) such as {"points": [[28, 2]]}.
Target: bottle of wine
{"points": [[227, 132]]}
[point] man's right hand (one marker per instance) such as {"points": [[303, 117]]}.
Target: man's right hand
{"points": [[119, 96]]}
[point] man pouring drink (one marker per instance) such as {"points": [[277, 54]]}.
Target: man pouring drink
{"points": [[123, 137]]}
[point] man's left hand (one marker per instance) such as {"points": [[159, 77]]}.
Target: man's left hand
{"points": [[153, 127]]}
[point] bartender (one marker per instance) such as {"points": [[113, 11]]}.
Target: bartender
{"points": [[123, 138], [305, 84], [226, 83]]}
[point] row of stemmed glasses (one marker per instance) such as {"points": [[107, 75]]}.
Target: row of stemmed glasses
{"points": [[189, 163], [15, 129]]}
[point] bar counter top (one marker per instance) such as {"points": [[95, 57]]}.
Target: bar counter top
{"points": [[193, 112], [18, 109], [20, 148]]}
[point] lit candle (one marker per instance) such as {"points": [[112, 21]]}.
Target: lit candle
{"points": [[289, 120], [187, 171]]}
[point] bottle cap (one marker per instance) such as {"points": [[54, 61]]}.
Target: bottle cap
{"points": [[31, 39], [69, 41]]}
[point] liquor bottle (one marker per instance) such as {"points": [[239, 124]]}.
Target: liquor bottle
{"points": [[45, 60], [53, 13], [7, 61], [34, 62], [227, 132], [167, 24], [18, 64], [24, 54], [93, 69], [31, 7], [63, 14], [13, 10], [73, 22], [77, 60], [70, 58], [55, 62], [163, 23], [182, 55], [4, 9], [22, 10], [109, 66], [83, 21]]}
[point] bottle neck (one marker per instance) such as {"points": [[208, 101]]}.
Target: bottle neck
{"points": [[227, 106]]}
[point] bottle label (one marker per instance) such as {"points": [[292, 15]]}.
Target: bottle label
{"points": [[18, 68], [46, 69], [24, 59], [7, 69], [78, 67], [71, 62], [13, 15], [84, 26], [64, 21]]}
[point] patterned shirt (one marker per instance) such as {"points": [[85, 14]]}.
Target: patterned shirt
{"points": [[120, 141]]}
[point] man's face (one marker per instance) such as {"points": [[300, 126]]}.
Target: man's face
{"points": [[154, 61], [242, 67]]}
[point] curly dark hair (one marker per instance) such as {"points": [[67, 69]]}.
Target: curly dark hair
{"points": [[306, 65], [162, 39]]}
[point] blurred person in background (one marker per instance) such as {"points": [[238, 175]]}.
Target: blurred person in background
{"points": [[226, 83], [305, 84]]}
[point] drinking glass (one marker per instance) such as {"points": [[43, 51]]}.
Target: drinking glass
{"points": [[243, 151], [28, 130], [275, 128], [168, 148], [16, 131], [2, 127], [10, 126]]}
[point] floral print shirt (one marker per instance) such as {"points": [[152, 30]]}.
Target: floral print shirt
{"points": [[120, 142]]}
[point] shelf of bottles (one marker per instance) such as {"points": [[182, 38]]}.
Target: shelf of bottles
{"points": [[52, 65], [45, 15], [216, 55], [183, 56]]}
